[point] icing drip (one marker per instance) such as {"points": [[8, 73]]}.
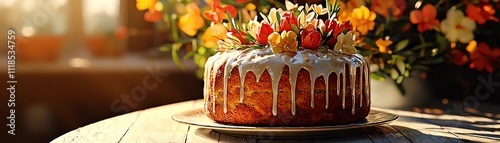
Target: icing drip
{"points": [[343, 90], [361, 87], [259, 60], [242, 84], [326, 94], [353, 87], [312, 90]]}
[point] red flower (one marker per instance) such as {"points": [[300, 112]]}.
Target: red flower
{"points": [[336, 29], [485, 58], [153, 16], [264, 31], [458, 57], [311, 39], [239, 35], [425, 18], [481, 13], [218, 12], [287, 21]]}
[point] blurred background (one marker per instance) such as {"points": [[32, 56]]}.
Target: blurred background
{"points": [[78, 61], [81, 61]]}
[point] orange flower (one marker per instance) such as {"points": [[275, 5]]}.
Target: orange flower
{"points": [[192, 21], [425, 18], [347, 8], [213, 34], [383, 45], [362, 19], [146, 4], [481, 13], [381, 7], [485, 58], [218, 12]]}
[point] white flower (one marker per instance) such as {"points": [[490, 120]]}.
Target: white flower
{"points": [[457, 26], [345, 43]]}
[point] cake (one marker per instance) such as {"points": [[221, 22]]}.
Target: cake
{"points": [[277, 80]]}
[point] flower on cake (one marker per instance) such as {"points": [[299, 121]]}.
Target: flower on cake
{"points": [[311, 39], [284, 42], [287, 21], [345, 43], [264, 31]]}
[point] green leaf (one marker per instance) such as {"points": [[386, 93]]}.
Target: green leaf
{"points": [[188, 55], [380, 29], [295, 29], [231, 23], [165, 48], [175, 56], [401, 66], [377, 76], [394, 74], [423, 45], [401, 45], [399, 80]]}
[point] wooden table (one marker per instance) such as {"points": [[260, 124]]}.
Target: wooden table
{"points": [[156, 125]]}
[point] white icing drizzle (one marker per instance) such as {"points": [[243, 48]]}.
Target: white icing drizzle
{"points": [[327, 95], [259, 60]]}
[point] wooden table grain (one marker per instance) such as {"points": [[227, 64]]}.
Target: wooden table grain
{"points": [[156, 125]]}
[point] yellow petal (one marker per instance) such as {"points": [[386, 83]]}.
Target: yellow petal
{"points": [[274, 39]]}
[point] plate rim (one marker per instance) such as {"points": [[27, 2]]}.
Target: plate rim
{"points": [[281, 128]]}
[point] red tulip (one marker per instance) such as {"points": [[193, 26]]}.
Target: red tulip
{"points": [[239, 35], [337, 28], [264, 31], [311, 39], [287, 21]]}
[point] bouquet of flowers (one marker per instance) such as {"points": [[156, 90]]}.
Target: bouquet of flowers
{"points": [[397, 36]]}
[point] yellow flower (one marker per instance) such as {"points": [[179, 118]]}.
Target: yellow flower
{"points": [[213, 34], [345, 43], [192, 21], [145, 4], [457, 27], [362, 19], [347, 8], [383, 44], [319, 9], [286, 42]]}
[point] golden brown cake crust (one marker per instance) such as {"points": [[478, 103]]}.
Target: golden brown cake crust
{"points": [[256, 108]]}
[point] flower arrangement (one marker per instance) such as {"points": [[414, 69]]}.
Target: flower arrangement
{"points": [[397, 36]]}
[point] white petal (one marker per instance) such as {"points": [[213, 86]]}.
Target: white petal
{"points": [[468, 24], [465, 36], [452, 35], [444, 25]]}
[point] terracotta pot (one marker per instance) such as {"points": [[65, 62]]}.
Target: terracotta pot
{"points": [[39, 48], [101, 46]]}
